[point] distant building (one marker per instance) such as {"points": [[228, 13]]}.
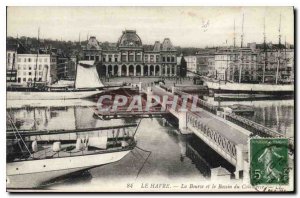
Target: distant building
{"points": [[206, 62], [66, 68], [12, 49], [236, 64], [128, 57], [25, 65], [10, 59], [247, 64], [11, 71], [33, 67], [268, 56], [62, 62], [191, 65]]}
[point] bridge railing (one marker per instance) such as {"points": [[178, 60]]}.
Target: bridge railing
{"points": [[241, 121], [209, 107], [125, 110], [226, 145], [256, 128], [201, 103]]}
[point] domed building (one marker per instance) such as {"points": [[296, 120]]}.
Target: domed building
{"points": [[130, 39], [129, 57]]}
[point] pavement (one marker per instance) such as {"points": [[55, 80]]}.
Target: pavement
{"points": [[231, 133]]}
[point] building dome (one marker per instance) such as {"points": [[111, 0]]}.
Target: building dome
{"points": [[129, 38]]}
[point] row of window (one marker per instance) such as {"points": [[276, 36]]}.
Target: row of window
{"points": [[29, 60], [235, 68], [29, 73], [30, 67], [245, 57], [23, 80], [132, 58]]}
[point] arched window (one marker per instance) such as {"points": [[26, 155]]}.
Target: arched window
{"points": [[168, 59], [172, 59]]}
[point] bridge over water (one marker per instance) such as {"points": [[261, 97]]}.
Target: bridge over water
{"points": [[224, 131]]}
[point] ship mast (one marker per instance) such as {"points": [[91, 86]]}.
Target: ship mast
{"points": [[278, 53], [265, 50], [79, 39], [77, 60], [241, 54], [14, 55], [242, 35], [285, 58], [234, 45], [234, 34], [37, 57]]}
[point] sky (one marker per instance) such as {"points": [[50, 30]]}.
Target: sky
{"points": [[185, 26]]}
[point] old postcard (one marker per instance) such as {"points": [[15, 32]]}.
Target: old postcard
{"points": [[150, 99]]}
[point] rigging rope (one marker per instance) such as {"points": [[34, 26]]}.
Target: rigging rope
{"points": [[150, 152], [17, 132]]}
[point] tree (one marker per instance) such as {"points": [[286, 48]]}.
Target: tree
{"points": [[183, 67], [100, 69]]}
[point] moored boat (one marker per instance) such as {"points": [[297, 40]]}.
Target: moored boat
{"points": [[32, 172], [35, 157], [247, 88]]}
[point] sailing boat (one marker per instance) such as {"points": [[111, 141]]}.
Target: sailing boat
{"points": [[247, 89], [36, 157], [87, 84], [230, 89]]}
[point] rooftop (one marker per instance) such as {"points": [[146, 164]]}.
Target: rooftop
{"points": [[129, 38]]}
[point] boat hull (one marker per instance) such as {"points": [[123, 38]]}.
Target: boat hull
{"points": [[244, 88], [32, 173], [51, 95]]}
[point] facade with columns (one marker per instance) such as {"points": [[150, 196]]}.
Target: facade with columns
{"points": [[128, 57]]}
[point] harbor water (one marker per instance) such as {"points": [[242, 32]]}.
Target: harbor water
{"points": [[161, 152]]}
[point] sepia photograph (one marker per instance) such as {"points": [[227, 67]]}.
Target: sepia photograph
{"points": [[150, 99]]}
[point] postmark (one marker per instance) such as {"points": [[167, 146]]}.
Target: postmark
{"points": [[269, 161]]}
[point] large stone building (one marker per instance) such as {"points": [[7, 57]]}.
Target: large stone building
{"points": [[128, 57]]}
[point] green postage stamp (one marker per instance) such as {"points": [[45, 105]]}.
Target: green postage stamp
{"points": [[269, 161]]}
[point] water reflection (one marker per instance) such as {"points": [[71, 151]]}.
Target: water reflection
{"points": [[168, 148], [275, 114], [54, 116]]}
